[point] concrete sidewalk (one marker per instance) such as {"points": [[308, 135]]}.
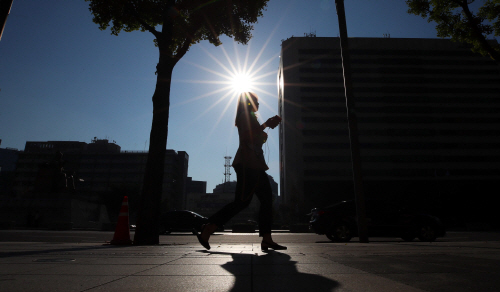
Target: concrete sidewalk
{"points": [[379, 266]]}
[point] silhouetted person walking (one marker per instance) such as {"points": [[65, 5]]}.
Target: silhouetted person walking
{"points": [[251, 175]]}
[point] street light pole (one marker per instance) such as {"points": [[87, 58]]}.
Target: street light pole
{"points": [[353, 125]]}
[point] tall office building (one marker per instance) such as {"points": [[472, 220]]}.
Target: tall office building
{"points": [[428, 114]]}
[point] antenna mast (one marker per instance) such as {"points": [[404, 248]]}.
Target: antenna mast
{"points": [[227, 169]]}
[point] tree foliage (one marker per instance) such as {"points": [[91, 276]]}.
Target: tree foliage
{"points": [[185, 22], [176, 25], [456, 20]]}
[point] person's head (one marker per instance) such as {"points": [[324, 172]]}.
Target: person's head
{"points": [[247, 102]]}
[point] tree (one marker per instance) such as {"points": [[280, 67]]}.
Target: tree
{"points": [[183, 23], [455, 19]]}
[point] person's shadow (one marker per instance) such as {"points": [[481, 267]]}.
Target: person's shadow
{"points": [[273, 271]]}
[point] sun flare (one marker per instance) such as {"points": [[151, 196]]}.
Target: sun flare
{"points": [[241, 82], [234, 75]]}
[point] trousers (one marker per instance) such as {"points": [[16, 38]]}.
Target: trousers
{"points": [[249, 182]]}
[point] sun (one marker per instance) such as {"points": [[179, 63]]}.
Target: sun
{"points": [[241, 82], [235, 75]]}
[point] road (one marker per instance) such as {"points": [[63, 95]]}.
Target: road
{"points": [[82, 236]]}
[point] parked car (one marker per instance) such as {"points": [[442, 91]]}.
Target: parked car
{"points": [[249, 226], [338, 222], [182, 221]]}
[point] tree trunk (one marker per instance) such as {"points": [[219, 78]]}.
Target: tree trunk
{"points": [[149, 205]]}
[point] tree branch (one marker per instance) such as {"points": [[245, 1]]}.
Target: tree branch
{"points": [[478, 35], [148, 27], [183, 49], [210, 26], [190, 36], [133, 11]]}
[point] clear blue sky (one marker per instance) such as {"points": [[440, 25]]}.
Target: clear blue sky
{"points": [[61, 78]]}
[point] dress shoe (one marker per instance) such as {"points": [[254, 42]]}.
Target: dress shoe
{"points": [[204, 243]]}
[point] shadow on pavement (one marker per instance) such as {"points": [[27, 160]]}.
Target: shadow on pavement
{"points": [[187, 234], [58, 250], [273, 271]]}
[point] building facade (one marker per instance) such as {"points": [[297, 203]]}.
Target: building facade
{"points": [[8, 162], [428, 115], [100, 168], [196, 186]]}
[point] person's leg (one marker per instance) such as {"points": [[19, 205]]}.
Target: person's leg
{"points": [[265, 195], [246, 182]]}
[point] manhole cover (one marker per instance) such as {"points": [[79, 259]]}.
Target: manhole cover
{"points": [[53, 260]]}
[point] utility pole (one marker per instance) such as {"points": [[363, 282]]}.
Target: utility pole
{"points": [[353, 125], [5, 6]]}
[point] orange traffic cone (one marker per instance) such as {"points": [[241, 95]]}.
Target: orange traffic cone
{"points": [[122, 231]]}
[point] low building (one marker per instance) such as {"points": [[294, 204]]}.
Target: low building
{"points": [[195, 186], [55, 170], [8, 162], [223, 194]]}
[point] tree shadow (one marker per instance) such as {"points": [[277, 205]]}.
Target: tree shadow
{"points": [[273, 271]]}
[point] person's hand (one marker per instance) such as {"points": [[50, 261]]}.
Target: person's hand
{"points": [[273, 122]]}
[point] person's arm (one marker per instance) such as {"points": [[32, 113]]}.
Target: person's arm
{"points": [[272, 122], [249, 133]]}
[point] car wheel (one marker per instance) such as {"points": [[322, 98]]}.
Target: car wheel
{"points": [[330, 236], [342, 233], [427, 233]]}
